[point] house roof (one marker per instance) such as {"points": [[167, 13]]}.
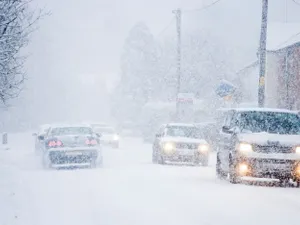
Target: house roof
{"points": [[282, 35], [279, 36]]}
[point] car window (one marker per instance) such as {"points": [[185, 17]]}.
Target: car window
{"points": [[183, 131], [71, 131], [271, 122]]}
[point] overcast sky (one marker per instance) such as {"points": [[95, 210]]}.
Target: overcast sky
{"points": [[86, 36]]}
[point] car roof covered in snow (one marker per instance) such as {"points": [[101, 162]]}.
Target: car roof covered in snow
{"points": [[263, 110], [180, 125], [70, 125]]}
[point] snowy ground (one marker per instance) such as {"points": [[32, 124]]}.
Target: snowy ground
{"points": [[130, 190]]}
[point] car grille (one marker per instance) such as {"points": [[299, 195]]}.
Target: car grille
{"points": [[272, 149], [261, 162], [186, 146]]}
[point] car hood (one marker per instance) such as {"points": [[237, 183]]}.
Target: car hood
{"points": [[268, 139], [183, 140]]}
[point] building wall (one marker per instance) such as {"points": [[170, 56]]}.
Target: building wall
{"points": [[273, 69], [283, 79], [289, 79]]}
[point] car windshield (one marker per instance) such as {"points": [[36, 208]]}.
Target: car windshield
{"points": [[71, 131], [271, 122], [106, 130], [182, 131]]}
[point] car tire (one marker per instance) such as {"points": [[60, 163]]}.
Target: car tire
{"points": [[283, 182], [233, 177], [220, 173]]}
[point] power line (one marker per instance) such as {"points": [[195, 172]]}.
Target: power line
{"points": [[166, 27], [296, 2], [203, 8]]}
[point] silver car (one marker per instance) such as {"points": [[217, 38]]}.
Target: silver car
{"points": [[72, 146], [109, 136]]}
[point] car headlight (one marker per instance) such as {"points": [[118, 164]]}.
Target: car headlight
{"points": [[203, 148], [116, 137], [297, 150], [245, 147], [168, 147]]}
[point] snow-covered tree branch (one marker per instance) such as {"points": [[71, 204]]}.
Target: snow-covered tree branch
{"points": [[17, 21]]}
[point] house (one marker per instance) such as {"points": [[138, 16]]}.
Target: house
{"points": [[282, 69]]}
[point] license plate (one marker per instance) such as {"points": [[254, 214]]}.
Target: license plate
{"points": [[73, 153], [188, 152], [276, 166]]}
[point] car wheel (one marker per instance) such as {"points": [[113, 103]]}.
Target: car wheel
{"points": [[283, 182], [233, 176], [220, 173]]}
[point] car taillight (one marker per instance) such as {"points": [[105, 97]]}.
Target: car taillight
{"points": [[55, 143], [59, 143], [91, 142]]}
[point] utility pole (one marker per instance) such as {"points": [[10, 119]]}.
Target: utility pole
{"points": [[262, 54], [178, 13]]}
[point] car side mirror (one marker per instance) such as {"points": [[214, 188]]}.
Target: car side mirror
{"points": [[226, 129], [41, 137]]}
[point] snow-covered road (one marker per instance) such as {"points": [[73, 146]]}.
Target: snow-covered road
{"points": [[130, 190]]}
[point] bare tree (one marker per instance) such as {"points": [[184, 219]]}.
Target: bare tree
{"points": [[17, 21]]}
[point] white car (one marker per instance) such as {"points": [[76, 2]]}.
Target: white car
{"points": [[180, 143], [109, 135], [260, 143], [39, 143], [72, 145]]}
